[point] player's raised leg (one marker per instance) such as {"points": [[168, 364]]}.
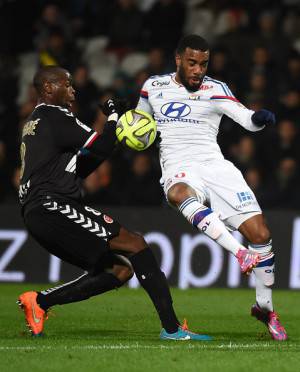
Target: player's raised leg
{"points": [[206, 220], [257, 233], [154, 282]]}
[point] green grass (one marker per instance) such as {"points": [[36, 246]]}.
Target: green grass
{"points": [[119, 331]]}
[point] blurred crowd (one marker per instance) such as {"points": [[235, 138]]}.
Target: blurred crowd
{"points": [[112, 46]]}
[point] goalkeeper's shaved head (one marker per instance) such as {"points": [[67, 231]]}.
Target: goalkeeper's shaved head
{"points": [[54, 86], [47, 74]]}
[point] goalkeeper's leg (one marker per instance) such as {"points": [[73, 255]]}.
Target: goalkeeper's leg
{"points": [[36, 304], [92, 283]]}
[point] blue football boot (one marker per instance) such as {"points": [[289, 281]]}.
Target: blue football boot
{"points": [[183, 334]]}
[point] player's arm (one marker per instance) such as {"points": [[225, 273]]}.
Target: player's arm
{"points": [[70, 134], [253, 121], [143, 103], [91, 156], [87, 162]]}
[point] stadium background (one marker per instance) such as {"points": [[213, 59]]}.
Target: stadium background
{"points": [[111, 48]]}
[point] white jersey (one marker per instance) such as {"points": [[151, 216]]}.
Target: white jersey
{"points": [[189, 121]]}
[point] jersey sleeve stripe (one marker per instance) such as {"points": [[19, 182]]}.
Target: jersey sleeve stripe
{"points": [[91, 139], [217, 82], [144, 94], [225, 97], [228, 92]]}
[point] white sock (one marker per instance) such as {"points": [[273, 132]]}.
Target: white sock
{"points": [[264, 275], [209, 223]]}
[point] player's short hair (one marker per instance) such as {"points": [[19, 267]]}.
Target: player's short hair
{"points": [[192, 41], [47, 74]]}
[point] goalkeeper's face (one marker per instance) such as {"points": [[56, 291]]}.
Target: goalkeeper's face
{"points": [[63, 93], [191, 68]]}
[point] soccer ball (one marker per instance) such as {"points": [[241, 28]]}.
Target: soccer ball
{"points": [[136, 129]]}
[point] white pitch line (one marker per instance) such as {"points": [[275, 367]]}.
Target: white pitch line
{"points": [[156, 347]]}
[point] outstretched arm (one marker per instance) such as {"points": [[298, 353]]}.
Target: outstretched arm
{"points": [[249, 119], [93, 153]]}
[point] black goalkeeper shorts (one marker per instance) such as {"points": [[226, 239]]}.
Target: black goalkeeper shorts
{"points": [[73, 232]]}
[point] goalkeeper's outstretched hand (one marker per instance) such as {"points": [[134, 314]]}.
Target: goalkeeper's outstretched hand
{"points": [[263, 117], [114, 106]]}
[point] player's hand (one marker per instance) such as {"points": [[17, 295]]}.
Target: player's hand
{"points": [[263, 117], [114, 106]]}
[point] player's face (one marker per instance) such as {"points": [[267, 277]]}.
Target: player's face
{"points": [[191, 68], [63, 93]]}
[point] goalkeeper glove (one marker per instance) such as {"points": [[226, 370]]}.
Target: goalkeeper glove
{"points": [[114, 106], [263, 117]]}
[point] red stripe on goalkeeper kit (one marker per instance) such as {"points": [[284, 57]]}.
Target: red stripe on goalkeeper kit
{"points": [[91, 139]]}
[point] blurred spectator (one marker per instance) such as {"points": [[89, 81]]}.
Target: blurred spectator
{"points": [[283, 187], [289, 105], [156, 62], [258, 90], [285, 144], [271, 36], [244, 153], [262, 64], [89, 18], [291, 22], [221, 68], [86, 93], [51, 19], [291, 77], [233, 36], [200, 19], [164, 24], [27, 107], [56, 51], [254, 179], [16, 29], [125, 28]]}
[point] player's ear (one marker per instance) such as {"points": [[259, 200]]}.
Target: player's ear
{"points": [[48, 87], [178, 60]]}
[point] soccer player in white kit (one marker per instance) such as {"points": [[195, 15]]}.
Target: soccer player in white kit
{"points": [[208, 190]]}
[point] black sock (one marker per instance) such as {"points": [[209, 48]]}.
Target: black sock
{"points": [[154, 281], [79, 289]]}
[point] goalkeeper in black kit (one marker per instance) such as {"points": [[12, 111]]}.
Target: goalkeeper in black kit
{"points": [[59, 221]]}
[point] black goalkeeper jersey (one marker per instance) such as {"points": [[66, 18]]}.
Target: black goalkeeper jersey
{"points": [[51, 139]]}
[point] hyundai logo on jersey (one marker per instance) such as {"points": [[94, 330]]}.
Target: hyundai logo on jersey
{"points": [[175, 110]]}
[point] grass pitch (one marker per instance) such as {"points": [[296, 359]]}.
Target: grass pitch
{"points": [[118, 331]]}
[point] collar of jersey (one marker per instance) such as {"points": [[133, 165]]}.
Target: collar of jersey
{"points": [[45, 104], [174, 81]]}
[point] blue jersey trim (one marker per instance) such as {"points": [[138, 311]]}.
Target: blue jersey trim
{"points": [[223, 85]]}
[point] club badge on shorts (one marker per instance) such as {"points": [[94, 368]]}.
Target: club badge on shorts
{"points": [[107, 219]]}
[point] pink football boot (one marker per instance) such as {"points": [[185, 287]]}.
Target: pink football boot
{"points": [[271, 320]]}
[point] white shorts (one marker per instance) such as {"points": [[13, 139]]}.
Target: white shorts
{"points": [[218, 184]]}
